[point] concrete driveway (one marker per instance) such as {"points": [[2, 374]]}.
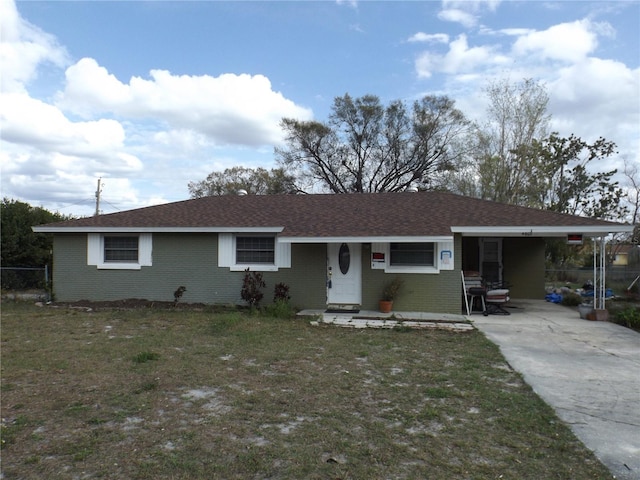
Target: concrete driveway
{"points": [[589, 372]]}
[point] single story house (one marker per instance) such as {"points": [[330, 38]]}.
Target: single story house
{"points": [[330, 249], [622, 253]]}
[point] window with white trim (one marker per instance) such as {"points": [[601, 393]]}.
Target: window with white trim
{"points": [[259, 252], [414, 254], [121, 249], [412, 257], [255, 250]]}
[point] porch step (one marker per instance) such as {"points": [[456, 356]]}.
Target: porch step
{"points": [[343, 307]]}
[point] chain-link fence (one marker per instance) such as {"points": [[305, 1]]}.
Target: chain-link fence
{"points": [[620, 277], [24, 278]]}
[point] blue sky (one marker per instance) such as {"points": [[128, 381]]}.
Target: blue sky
{"points": [[152, 95]]}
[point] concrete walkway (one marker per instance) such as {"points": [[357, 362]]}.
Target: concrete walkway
{"points": [[589, 372], [372, 319]]}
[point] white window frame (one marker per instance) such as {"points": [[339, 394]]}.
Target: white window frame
{"points": [[442, 258], [95, 252], [227, 254]]}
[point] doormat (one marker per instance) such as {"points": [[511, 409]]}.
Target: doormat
{"points": [[338, 310]]}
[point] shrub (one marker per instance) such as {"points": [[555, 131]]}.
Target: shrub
{"points": [[281, 292], [252, 286], [280, 309], [570, 299], [628, 317], [391, 289], [177, 295]]}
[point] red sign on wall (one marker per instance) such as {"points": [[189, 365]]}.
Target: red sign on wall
{"points": [[574, 239], [377, 256]]}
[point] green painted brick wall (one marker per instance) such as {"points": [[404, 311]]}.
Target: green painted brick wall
{"points": [[191, 261], [523, 260], [181, 260], [438, 293]]}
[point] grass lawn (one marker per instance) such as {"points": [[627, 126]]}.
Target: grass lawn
{"points": [[184, 394]]}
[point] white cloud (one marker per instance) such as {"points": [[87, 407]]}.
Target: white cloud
{"points": [[23, 48], [465, 12], [230, 109], [459, 59], [514, 32], [28, 121], [473, 5], [349, 3], [455, 15], [568, 42], [429, 37], [598, 97]]}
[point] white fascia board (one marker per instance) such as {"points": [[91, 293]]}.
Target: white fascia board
{"points": [[394, 239], [537, 231], [44, 229]]}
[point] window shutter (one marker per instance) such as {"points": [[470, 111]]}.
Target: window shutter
{"points": [[283, 254], [94, 249], [225, 250], [145, 249]]}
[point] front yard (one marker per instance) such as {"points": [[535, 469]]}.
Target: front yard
{"points": [[186, 394]]}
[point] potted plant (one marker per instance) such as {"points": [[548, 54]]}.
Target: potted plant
{"points": [[585, 309], [389, 293]]}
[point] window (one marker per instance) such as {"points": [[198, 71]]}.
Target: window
{"points": [[251, 250], [411, 254], [260, 252], [121, 249]]}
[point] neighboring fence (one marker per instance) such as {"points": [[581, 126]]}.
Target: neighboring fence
{"points": [[24, 278], [615, 275]]}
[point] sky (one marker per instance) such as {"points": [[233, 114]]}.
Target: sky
{"points": [[148, 96]]}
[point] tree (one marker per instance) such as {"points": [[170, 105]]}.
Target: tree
{"points": [[254, 181], [566, 185], [516, 116], [20, 246], [632, 197], [366, 147]]}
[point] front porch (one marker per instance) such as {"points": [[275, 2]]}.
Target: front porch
{"points": [[519, 310]]}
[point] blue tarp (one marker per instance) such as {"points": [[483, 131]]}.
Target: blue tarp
{"points": [[553, 297], [557, 297], [608, 293]]}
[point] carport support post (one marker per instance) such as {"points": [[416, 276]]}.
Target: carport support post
{"points": [[603, 271], [599, 273]]}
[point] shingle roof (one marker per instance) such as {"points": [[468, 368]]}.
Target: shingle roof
{"points": [[335, 215]]}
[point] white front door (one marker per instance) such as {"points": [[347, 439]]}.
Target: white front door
{"points": [[344, 274]]}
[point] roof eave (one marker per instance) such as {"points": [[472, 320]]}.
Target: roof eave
{"points": [[540, 231], [54, 229], [367, 239]]}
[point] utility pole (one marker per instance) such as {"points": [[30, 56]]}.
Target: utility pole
{"points": [[98, 192]]}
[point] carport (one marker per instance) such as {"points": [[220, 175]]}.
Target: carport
{"points": [[516, 255]]}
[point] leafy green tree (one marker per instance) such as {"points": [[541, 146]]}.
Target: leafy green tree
{"points": [[565, 183], [367, 147], [257, 181], [21, 247]]}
